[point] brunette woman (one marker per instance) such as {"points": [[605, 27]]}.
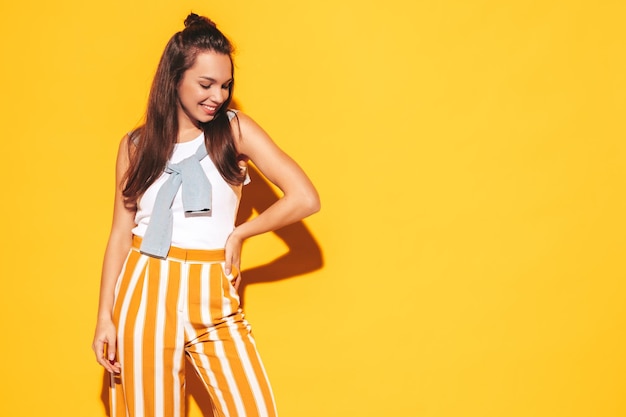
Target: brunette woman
{"points": [[171, 268]]}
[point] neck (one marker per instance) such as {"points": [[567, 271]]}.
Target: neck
{"points": [[187, 129], [186, 135], [187, 132]]}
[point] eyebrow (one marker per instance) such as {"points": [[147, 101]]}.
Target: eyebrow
{"points": [[213, 80]]}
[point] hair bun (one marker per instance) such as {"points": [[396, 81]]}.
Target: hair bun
{"points": [[194, 19]]}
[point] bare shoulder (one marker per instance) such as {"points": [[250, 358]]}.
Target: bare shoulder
{"points": [[250, 138], [128, 144], [125, 142], [244, 119], [126, 148], [270, 159], [245, 127]]}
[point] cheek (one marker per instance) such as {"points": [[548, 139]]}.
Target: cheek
{"points": [[188, 95]]}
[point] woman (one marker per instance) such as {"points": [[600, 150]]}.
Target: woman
{"points": [[171, 267]]}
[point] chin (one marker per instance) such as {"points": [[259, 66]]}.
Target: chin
{"points": [[206, 119]]}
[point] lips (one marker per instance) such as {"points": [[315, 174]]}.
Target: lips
{"points": [[209, 110]]}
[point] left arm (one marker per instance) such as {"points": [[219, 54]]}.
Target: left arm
{"points": [[299, 200]]}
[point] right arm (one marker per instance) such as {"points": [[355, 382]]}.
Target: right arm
{"points": [[120, 240]]}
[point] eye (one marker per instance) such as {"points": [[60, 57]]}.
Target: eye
{"points": [[206, 87], [226, 87]]}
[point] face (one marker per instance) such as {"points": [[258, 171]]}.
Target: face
{"points": [[204, 88]]}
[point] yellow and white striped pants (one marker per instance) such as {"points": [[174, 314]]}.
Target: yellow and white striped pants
{"points": [[183, 306]]}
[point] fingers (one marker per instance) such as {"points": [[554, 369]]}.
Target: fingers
{"points": [[111, 352], [228, 255], [98, 347], [232, 251], [110, 365], [104, 348], [115, 367], [231, 264]]}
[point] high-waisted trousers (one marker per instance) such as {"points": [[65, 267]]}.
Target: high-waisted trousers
{"points": [[183, 307]]}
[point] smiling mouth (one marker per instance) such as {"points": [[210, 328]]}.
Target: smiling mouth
{"points": [[210, 109]]}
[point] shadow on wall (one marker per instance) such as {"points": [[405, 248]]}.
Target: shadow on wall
{"points": [[304, 256]]}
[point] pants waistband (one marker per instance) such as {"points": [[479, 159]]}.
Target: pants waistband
{"points": [[200, 255]]}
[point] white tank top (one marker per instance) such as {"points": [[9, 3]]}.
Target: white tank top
{"points": [[206, 230]]}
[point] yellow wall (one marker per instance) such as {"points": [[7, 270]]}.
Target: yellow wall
{"points": [[471, 160]]}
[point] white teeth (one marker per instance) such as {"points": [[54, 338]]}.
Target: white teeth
{"points": [[209, 107]]}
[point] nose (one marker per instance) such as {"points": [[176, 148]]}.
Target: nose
{"points": [[219, 95]]}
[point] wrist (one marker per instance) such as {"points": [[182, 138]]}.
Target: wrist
{"points": [[237, 234], [105, 318]]}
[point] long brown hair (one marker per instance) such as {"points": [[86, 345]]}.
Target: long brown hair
{"points": [[153, 143]]}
